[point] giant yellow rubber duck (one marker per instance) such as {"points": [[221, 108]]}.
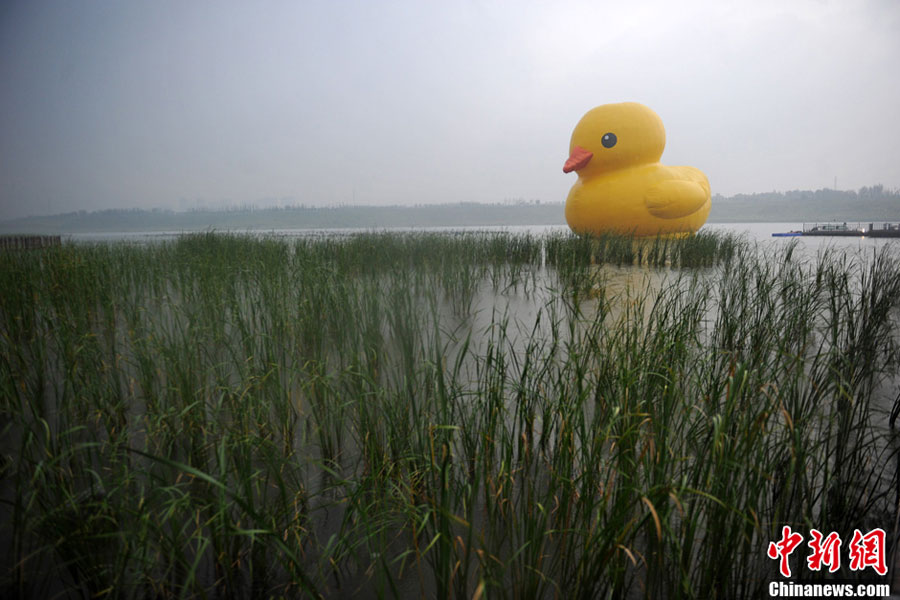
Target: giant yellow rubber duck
{"points": [[622, 187]]}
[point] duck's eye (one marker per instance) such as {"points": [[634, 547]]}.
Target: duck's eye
{"points": [[609, 140]]}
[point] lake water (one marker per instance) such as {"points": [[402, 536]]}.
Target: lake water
{"points": [[761, 232], [487, 305]]}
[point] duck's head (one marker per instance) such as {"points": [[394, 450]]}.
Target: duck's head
{"points": [[613, 136]]}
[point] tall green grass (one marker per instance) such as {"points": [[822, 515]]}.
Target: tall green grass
{"points": [[405, 415]]}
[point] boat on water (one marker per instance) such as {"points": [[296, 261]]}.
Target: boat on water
{"points": [[883, 230], [788, 234]]}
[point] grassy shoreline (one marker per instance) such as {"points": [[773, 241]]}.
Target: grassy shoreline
{"points": [[438, 415]]}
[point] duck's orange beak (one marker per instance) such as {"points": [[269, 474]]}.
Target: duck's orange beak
{"points": [[578, 159]]}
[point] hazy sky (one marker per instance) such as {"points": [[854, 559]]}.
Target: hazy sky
{"points": [[179, 104]]}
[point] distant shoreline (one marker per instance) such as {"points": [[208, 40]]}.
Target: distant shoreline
{"points": [[868, 204]]}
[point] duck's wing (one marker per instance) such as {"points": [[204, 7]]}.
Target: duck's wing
{"points": [[675, 198]]}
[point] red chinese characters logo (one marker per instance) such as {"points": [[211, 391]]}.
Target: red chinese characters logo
{"points": [[783, 548], [864, 551], [824, 551], [868, 551]]}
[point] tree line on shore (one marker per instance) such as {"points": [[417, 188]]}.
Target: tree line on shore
{"points": [[869, 203]]}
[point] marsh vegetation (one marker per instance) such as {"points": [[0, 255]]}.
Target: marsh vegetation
{"points": [[448, 416]]}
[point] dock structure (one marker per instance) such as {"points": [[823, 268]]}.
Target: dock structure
{"points": [[884, 229], [28, 242]]}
